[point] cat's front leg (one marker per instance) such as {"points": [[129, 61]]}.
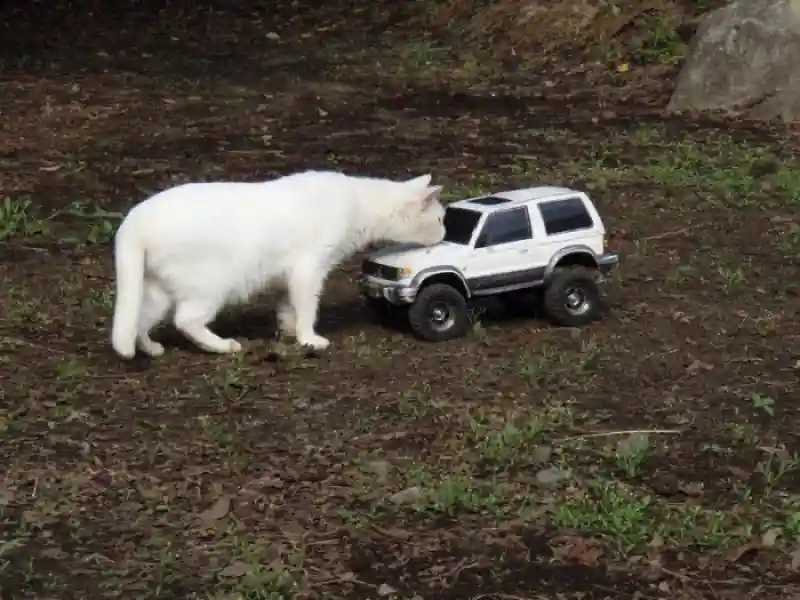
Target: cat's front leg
{"points": [[305, 287]]}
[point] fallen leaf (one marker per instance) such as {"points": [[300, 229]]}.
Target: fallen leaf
{"points": [[551, 476], [541, 454], [397, 534], [379, 468], [691, 488], [770, 537], [267, 481], [406, 496], [217, 510], [579, 550], [386, 590], [6, 497], [738, 553], [795, 554], [739, 472], [235, 569], [697, 365]]}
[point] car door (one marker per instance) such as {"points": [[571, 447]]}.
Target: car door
{"points": [[501, 254]]}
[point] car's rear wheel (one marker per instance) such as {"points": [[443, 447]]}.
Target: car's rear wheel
{"points": [[572, 297], [439, 313]]}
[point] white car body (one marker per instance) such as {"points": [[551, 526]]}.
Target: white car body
{"points": [[510, 260]]}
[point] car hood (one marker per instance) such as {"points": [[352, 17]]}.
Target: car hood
{"points": [[419, 257]]}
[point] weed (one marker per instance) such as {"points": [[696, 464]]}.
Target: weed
{"points": [[17, 219], [608, 510]]}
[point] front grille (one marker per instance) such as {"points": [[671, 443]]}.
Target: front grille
{"points": [[375, 269]]}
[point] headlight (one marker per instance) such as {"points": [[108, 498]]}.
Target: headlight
{"points": [[404, 273]]}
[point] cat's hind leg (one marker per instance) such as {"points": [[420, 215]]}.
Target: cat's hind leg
{"points": [[155, 306], [305, 286], [192, 318]]}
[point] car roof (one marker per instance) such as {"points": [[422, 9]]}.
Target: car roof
{"points": [[534, 195]]}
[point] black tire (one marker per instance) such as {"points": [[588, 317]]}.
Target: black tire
{"points": [[426, 318], [572, 297]]}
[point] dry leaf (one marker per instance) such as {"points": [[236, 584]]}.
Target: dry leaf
{"points": [[379, 468], [386, 590], [550, 476], [407, 496], [770, 537], [6, 496], [541, 454], [691, 489], [235, 569], [736, 554], [795, 554], [397, 534], [217, 510]]}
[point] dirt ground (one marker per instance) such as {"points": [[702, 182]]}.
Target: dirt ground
{"points": [[654, 454]]}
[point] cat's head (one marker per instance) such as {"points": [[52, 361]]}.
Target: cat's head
{"points": [[419, 215]]}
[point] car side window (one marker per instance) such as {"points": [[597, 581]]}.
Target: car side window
{"points": [[504, 227], [562, 216]]}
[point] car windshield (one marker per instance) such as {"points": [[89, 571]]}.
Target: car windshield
{"points": [[460, 223]]}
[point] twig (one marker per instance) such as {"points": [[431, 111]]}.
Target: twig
{"points": [[498, 596], [454, 572], [622, 432], [659, 236], [19, 342], [33, 248], [342, 579]]}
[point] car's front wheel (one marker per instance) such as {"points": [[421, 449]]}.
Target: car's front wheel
{"points": [[572, 297], [439, 313]]}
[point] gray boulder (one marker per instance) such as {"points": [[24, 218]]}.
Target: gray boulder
{"points": [[745, 57]]}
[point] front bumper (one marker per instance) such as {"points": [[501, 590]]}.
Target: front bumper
{"points": [[607, 261], [391, 291]]}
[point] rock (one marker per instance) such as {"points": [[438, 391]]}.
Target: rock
{"points": [[744, 57]]}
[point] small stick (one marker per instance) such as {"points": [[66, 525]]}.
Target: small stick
{"points": [[659, 236], [622, 432]]}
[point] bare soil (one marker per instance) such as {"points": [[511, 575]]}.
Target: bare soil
{"points": [[654, 454]]}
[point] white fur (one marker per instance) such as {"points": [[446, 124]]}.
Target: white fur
{"points": [[195, 248]]}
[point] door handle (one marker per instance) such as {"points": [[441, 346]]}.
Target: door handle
{"points": [[525, 251]]}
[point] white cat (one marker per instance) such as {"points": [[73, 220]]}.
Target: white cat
{"points": [[192, 249]]}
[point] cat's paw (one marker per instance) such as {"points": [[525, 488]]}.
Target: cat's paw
{"points": [[233, 346], [153, 349], [317, 342]]}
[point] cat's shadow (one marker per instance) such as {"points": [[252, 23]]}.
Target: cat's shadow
{"points": [[260, 324]]}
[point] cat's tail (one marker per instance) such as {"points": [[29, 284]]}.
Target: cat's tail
{"points": [[129, 266]]}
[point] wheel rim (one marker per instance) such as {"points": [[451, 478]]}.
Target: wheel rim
{"points": [[442, 316], [576, 301]]}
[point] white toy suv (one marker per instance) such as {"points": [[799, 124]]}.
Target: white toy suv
{"points": [[545, 240]]}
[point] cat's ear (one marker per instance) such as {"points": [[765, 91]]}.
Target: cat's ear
{"points": [[434, 192], [431, 197], [421, 182]]}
